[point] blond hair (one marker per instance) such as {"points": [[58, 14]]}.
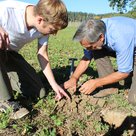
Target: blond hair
{"points": [[53, 11]]}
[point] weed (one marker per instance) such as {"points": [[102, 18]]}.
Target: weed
{"points": [[90, 107], [24, 129], [79, 124], [4, 118], [99, 126], [58, 120], [46, 132], [121, 102], [47, 106]]}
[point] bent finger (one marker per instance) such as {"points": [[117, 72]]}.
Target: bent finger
{"points": [[65, 94], [58, 97]]}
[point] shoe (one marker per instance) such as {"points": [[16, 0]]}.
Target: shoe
{"points": [[105, 92], [17, 111]]}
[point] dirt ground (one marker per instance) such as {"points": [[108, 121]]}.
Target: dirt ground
{"points": [[87, 116]]}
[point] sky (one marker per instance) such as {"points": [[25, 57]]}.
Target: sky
{"points": [[89, 6]]}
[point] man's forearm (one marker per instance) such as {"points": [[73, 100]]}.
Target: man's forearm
{"points": [[112, 78], [81, 68], [45, 65]]}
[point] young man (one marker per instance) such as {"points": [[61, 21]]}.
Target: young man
{"points": [[114, 36], [21, 23]]}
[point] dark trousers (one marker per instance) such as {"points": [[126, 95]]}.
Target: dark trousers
{"points": [[16, 74], [104, 67]]}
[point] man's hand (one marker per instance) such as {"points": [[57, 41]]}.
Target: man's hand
{"points": [[89, 86], [71, 84], [60, 93], [4, 39]]}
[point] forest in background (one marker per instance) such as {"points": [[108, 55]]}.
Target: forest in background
{"points": [[120, 5], [80, 16]]}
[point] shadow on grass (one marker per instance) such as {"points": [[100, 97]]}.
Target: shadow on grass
{"points": [[128, 124], [62, 74]]}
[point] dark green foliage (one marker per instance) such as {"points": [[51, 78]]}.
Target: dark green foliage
{"points": [[122, 4]]}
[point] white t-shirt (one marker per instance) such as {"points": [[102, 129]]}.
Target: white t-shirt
{"points": [[12, 19]]}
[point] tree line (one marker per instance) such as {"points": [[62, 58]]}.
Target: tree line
{"points": [[120, 5], [80, 16]]}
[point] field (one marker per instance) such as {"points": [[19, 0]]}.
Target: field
{"points": [[84, 115]]}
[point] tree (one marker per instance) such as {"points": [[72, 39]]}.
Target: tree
{"points": [[122, 4]]}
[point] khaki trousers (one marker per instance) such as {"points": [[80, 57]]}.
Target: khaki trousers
{"points": [[16, 74]]}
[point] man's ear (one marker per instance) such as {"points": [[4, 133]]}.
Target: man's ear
{"points": [[101, 37]]}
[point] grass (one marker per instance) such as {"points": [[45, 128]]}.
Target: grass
{"points": [[43, 119]]}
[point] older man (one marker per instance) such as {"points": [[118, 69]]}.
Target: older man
{"points": [[115, 36]]}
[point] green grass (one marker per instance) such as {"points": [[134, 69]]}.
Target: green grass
{"points": [[43, 119], [61, 48]]}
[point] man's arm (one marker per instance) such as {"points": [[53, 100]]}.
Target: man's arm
{"points": [[45, 65], [81, 68], [89, 86], [112, 78]]}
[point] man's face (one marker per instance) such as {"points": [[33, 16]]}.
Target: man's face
{"points": [[92, 46], [46, 28]]}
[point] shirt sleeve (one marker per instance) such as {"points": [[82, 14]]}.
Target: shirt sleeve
{"points": [[43, 40], [88, 54], [125, 55]]}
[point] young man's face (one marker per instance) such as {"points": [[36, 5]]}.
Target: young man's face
{"points": [[46, 28], [92, 46]]}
